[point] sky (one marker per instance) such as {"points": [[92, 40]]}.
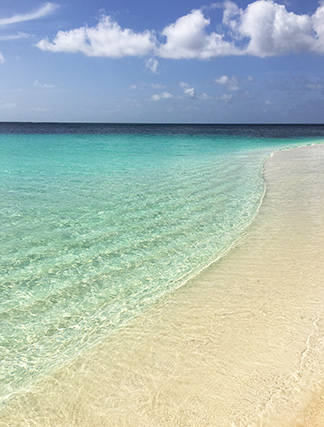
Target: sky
{"points": [[162, 61]]}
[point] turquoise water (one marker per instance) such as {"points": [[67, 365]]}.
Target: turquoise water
{"points": [[96, 228]]}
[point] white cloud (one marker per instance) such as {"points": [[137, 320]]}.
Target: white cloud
{"points": [[318, 26], [273, 30], [152, 64], [222, 80], [230, 82], [164, 95], [17, 36], [231, 16], [44, 10], [106, 39], [189, 91], [44, 85], [187, 38], [264, 28], [155, 98], [142, 86]]}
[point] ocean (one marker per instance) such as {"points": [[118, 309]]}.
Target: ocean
{"points": [[101, 221]]}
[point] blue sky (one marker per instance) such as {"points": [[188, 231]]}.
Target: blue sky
{"points": [[162, 61]]}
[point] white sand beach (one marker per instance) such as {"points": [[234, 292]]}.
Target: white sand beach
{"points": [[240, 345]]}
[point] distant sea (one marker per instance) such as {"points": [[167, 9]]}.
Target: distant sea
{"points": [[100, 221]]}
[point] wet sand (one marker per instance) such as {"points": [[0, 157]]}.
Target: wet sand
{"points": [[240, 345]]}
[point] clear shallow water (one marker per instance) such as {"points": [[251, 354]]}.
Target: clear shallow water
{"points": [[96, 226]]}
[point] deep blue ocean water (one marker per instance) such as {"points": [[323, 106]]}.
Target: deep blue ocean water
{"points": [[98, 222]]}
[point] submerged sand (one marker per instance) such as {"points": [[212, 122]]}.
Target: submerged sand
{"points": [[240, 345]]}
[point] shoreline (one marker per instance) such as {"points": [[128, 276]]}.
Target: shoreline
{"points": [[233, 345]]}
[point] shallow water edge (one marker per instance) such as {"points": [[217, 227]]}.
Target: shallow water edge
{"points": [[241, 344]]}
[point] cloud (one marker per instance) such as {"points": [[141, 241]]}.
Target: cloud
{"points": [[204, 96], [163, 95], [142, 86], [187, 38], [155, 98], [17, 36], [222, 80], [44, 10], [106, 39], [187, 90], [273, 30], [230, 82], [231, 16], [44, 85], [264, 28], [152, 64], [190, 91], [166, 95]]}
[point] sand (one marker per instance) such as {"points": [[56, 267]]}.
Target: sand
{"points": [[240, 345]]}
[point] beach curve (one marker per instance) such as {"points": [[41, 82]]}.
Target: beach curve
{"points": [[241, 344]]}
